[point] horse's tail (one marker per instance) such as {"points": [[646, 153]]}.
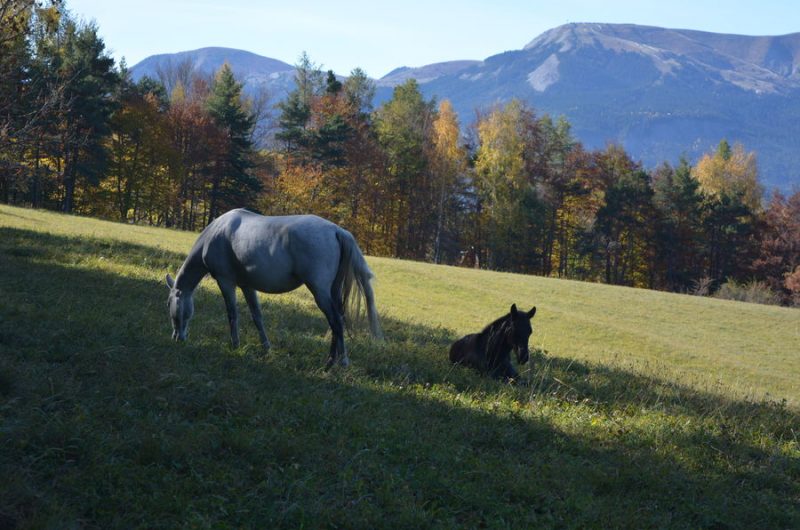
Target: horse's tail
{"points": [[354, 274]]}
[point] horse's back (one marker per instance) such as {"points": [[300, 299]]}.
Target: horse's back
{"points": [[270, 253], [463, 350]]}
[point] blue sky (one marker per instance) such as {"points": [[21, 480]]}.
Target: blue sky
{"points": [[378, 36]]}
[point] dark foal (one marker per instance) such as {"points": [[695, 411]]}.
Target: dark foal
{"points": [[489, 351]]}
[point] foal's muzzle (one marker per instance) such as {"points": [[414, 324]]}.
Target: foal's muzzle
{"points": [[522, 355]]}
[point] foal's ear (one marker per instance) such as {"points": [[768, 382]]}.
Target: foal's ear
{"points": [[170, 281], [513, 310], [532, 312]]}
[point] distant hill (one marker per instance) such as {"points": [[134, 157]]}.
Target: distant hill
{"points": [[658, 92], [254, 70], [423, 74]]}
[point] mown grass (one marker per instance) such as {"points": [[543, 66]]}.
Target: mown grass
{"points": [[641, 410]]}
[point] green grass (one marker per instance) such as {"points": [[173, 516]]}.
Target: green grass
{"points": [[642, 409]]}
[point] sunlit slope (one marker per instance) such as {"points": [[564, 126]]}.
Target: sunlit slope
{"points": [[733, 348], [639, 410]]}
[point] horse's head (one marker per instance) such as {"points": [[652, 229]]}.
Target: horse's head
{"points": [[181, 309], [520, 332]]}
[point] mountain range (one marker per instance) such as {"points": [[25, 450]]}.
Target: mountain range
{"points": [[661, 93]]}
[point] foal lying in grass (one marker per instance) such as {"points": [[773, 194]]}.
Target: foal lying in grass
{"points": [[489, 351]]}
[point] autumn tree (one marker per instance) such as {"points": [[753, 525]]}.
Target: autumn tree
{"points": [[403, 127], [510, 213], [779, 256], [730, 171], [140, 146], [365, 187], [29, 96], [448, 163]]}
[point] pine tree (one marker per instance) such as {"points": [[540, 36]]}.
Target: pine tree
{"points": [[88, 104], [233, 184], [296, 109], [679, 203]]}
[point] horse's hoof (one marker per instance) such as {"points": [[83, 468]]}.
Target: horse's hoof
{"points": [[344, 362]]}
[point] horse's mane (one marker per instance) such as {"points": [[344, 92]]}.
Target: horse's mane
{"points": [[495, 326], [492, 336]]}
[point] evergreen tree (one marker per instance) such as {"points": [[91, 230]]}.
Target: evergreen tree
{"points": [[622, 235], [330, 128], [679, 203], [359, 90], [233, 183], [296, 109], [90, 82], [730, 238]]}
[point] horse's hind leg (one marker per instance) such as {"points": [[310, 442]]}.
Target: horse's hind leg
{"points": [[228, 290], [255, 311], [333, 313]]}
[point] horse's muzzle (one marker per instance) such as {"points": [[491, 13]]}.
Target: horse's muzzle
{"points": [[523, 356]]}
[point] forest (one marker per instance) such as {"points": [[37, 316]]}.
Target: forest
{"points": [[511, 190]]}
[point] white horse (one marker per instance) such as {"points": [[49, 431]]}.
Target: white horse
{"points": [[276, 255]]}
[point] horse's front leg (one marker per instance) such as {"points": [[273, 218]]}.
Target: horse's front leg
{"points": [[255, 311], [506, 372], [228, 289], [511, 375]]}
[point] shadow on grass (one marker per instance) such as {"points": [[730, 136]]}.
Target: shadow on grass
{"points": [[105, 422]]}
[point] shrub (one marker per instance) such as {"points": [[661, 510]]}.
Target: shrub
{"points": [[792, 284], [701, 287], [754, 292]]}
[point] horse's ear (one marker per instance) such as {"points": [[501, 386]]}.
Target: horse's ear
{"points": [[532, 312], [170, 281], [513, 310]]}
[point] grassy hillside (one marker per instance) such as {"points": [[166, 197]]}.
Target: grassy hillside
{"points": [[641, 409]]}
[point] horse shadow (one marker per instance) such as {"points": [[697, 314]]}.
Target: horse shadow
{"points": [[107, 421]]}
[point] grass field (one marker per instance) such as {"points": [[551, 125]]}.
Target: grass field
{"points": [[640, 409]]}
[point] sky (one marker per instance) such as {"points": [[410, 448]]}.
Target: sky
{"points": [[378, 37]]}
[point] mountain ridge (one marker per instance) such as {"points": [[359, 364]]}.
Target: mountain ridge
{"points": [[659, 92]]}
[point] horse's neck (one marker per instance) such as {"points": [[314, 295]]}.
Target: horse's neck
{"points": [[192, 271], [495, 340]]}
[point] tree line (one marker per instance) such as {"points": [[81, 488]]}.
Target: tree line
{"points": [[513, 190]]}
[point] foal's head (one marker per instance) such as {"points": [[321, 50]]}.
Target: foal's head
{"points": [[520, 331], [181, 309]]}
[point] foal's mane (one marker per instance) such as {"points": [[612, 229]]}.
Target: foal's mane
{"points": [[493, 336], [495, 326]]}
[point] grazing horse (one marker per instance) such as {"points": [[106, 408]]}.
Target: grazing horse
{"points": [[276, 255], [489, 351]]}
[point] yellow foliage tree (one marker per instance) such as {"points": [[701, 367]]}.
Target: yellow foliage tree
{"points": [[500, 158], [731, 172], [448, 161]]}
